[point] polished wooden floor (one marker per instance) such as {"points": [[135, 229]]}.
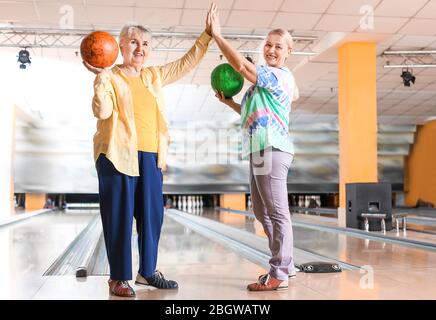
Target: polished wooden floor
{"points": [[208, 270]]}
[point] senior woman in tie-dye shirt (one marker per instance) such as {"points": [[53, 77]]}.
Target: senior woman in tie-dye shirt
{"points": [[266, 142]]}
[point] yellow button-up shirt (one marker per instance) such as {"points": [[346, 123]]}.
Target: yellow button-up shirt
{"points": [[112, 105]]}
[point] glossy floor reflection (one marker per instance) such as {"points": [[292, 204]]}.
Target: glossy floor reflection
{"points": [[208, 270], [353, 250], [30, 246]]}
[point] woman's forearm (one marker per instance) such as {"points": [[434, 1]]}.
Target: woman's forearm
{"points": [[103, 102], [237, 60], [235, 106], [175, 70]]}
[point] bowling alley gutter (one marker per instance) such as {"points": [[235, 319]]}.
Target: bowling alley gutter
{"points": [[82, 254], [252, 247], [22, 216]]}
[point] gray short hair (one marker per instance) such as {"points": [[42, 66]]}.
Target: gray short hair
{"points": [[128, 29], [284, 33]]}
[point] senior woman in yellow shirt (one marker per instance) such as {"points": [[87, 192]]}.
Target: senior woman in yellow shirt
{"points": [[130, 148]]}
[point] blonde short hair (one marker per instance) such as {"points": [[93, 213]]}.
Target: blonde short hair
{"points": [[284, 33], [128, 29]]}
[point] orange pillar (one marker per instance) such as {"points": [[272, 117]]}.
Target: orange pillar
{"points": [[357, 117], [420, 169], [35, 201], [234, 201]]}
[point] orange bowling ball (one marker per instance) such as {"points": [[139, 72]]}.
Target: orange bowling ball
{"points": [[99, 49]]}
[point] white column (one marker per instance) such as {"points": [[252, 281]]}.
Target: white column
{"points": [[7, 136]]}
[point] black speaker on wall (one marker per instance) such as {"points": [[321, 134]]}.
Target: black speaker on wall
{"points": [[368, 198]]}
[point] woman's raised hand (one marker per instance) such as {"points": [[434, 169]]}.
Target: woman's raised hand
{"points": [[91, 68], [213, 20], [208, 22], [222, 98]]}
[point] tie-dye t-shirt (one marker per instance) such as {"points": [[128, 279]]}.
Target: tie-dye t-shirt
{"points": [[265, 111]]}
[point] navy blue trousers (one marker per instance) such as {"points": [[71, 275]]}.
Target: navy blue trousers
{"points": [[123, 197]]}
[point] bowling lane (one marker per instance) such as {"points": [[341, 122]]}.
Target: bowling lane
{"points": [[206, 269], [333, 222], [203, 268], [29, 247], [222, 277], [356, 251]]}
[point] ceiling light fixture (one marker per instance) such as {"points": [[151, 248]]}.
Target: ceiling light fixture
{"points": [[24, 58], [249, 58], [408, 77]]}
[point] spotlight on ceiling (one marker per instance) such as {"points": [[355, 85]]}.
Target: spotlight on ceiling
{"points": [[249, 58], [408, 77], [24, 58]]}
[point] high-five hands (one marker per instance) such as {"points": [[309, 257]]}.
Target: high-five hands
{"points": [[213, 20]]}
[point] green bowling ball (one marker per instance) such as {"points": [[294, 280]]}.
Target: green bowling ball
{"points": [[226, 79]]}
